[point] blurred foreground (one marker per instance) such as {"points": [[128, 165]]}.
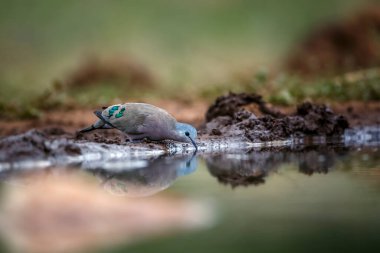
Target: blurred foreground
{"points": [[63, 212]]}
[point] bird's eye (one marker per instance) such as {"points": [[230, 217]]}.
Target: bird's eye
{"points": [[187, 133]]}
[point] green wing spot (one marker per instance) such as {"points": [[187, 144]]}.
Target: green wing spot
{"points": [[121, 112], [112, 110]]}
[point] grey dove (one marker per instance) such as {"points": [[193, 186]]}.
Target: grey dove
{"points": [[139, 121]]}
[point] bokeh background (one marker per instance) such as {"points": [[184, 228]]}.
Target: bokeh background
{"points": [[86, 53], [59, 60]]}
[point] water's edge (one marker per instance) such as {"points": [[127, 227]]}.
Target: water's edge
{"points": [[92, 152]]}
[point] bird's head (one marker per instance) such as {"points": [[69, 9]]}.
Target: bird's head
{"points": [[186, 133]]}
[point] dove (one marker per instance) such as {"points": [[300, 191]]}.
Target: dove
{"points": [[141, 121]]}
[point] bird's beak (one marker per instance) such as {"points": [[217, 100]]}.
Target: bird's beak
{"points": [[195, 145]]}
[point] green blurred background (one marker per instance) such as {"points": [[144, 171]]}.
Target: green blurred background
{"points": [[185, 45]]}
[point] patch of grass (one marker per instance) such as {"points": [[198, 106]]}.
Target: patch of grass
{"points": [[286, 90], [19, 111], [60, 96], [279, 89]]}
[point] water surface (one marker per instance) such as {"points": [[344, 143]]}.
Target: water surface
{"points": [[310, 196]]}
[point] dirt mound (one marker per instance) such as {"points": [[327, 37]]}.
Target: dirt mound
{"points": [[114, 69], [346, 45], [226, 105], [233, 120]]}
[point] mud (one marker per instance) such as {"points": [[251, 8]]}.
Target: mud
{"points": [[232, 162], [228, 104], [229, 116], [31, 145], [337, 47], [234, 122], [55, 143]]}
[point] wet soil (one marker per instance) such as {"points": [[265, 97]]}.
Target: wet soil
{"points": [[36, 144], [229, 118], [56, 146]]}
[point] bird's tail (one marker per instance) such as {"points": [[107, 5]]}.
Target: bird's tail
{"points": [[95, 126], [102, 123], [100, 116], [87, 129]]}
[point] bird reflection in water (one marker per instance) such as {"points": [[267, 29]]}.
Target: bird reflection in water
{"points": [[141, 178], [132, 177]]}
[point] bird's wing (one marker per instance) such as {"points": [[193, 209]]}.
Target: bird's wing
{"points": [[157, 126], [133, 118], [126, 118]]}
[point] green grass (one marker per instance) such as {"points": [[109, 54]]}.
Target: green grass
{"points": [[280, 89], [284, 89], [289, 90]]}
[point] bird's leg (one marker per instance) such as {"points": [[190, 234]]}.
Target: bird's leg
{"points": [[193, 142]]}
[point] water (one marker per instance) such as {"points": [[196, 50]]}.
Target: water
{"points": [[312, 195]]}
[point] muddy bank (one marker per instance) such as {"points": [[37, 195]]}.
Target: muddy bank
{"points": [[232, 115], [34, 144], [357, 113], [56, 145], [233, 122]]}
